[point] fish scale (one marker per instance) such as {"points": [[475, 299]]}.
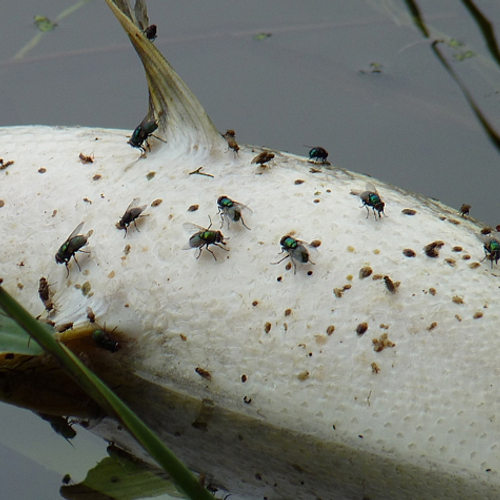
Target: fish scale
{"points": [[426, 419]]}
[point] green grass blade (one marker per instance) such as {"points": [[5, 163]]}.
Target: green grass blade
{"points": [[103, 396]]}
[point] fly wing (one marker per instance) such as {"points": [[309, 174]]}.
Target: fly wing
{"points": [[370, 187], [243, 208], [487, 238], [191, 228], [75, 231], [134, 208], [133, 204]]}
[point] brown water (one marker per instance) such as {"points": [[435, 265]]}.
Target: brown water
{"points": [[310, 83]]}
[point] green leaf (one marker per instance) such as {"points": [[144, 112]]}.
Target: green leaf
{"points": [[13, 339]]}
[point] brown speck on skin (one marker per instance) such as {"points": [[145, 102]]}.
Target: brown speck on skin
{"points": [[315, 243], [20, 286], [351, 249], [247, 400], [408, 252], [255, 303], [21, 264], [466, 257], [303, 375], [203, 373], [485, 230], [330, 330], [478, 315], [258, 477], [54, 213], [126, 250], [3, 165], [86, 287], [183, 337], [288, 266], [432, 326], [42, 170], [279, 278], [309, 273], [432, 249], [376, 251], [465, 209], [86, 158], [376, 277], [409, 211], [267, 327], [285, 326], [375, 368], [244, 378], [390, 285], [451, 262], [364, 272], [288, 312], [457, 299], [458, 317], [456, 249], [442, 217], [86, 200], [2, 203], [111, 275], [338, 292], [9, 355], [384, 327], [96, 177], [193, 208], [320, 339], [381, 343], [474, 265], [432, 291], [454, 222], [316, 200], [150, 175], [157, 202], [299, 181], [126, 305], [361, 328]]}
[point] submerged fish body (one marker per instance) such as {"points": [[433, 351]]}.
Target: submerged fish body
{"points": [[291, 356]]}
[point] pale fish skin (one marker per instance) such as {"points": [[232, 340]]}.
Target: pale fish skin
{"points": [[417, 419]]}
